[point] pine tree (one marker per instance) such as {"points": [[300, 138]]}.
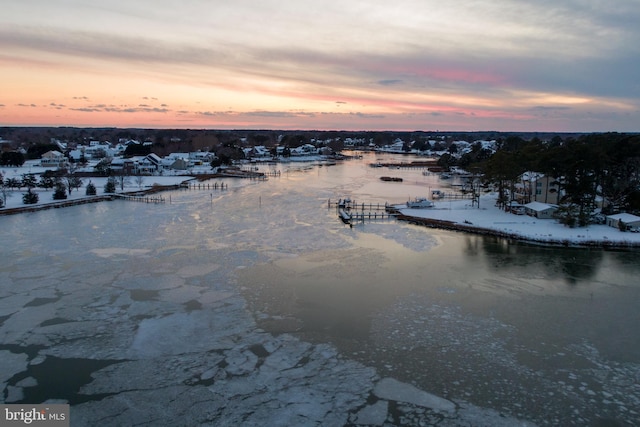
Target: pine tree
{"points": [[29, 198], [110, 186], [60, 192], [29, 180], [91, 189]]}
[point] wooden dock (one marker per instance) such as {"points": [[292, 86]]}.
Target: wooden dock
{"points": [[141, 199], [361, 216], [455, 196], [353, 205], [350, 212], [251, 173], [205, 186]]}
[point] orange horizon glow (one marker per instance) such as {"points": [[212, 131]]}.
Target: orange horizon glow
{"points": [[435, 70]]}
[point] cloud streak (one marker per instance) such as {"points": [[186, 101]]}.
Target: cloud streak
{"points": [[291, 62]]}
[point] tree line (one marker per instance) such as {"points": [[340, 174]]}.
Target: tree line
{"points": [[590, 170]]}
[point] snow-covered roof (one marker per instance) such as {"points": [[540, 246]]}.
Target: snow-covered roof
{"points": [[53, 153], [625, 217], [155, 157], [178, 156], [532, 176], [538, 206]]}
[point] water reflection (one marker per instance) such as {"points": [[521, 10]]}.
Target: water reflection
{"points": [[569, 264]]}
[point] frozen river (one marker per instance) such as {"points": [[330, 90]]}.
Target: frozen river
{"points": [[257, 306]]}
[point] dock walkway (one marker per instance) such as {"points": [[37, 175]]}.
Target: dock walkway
{"points": [[139, 198], [350, 212]]}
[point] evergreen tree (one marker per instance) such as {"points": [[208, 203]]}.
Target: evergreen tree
{"points": [[504, 169], [110, 186], [13, 183], [11, 158], [60, 192], [46, 182], [3, 191], [91, 189], [29, 180], [29, 198]]}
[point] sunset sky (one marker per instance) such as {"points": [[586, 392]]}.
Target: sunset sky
{"points": [[509, 65]]}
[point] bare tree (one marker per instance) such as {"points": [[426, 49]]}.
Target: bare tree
{"points": [[73, 182], [122, 180]]}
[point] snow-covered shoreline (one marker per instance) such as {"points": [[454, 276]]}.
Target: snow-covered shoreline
{"points": [[490, 220], [15, 204]]}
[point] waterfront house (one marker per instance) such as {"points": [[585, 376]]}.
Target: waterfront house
{"points": [[540, 210], [53, 158], [122, 166], [179, 164], [152, 163], [257, 152], [631, 222], [537, 187], [304, 150]]}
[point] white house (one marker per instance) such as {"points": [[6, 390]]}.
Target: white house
{"points": [[631, 222], [540, 210], [259, 151], [304, 150], [148, 165], [397, 146], [53, 159]]}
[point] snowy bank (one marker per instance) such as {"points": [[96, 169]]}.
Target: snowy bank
{"points": [[491, 220], [150, 184]]}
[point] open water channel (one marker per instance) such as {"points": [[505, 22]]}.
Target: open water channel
{"points": [[257, 305]]}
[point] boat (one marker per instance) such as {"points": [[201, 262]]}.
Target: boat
{"points": [[437, 194], [420, 203], [343, 203], [445, 176], [345, 216], [391, 178]]}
